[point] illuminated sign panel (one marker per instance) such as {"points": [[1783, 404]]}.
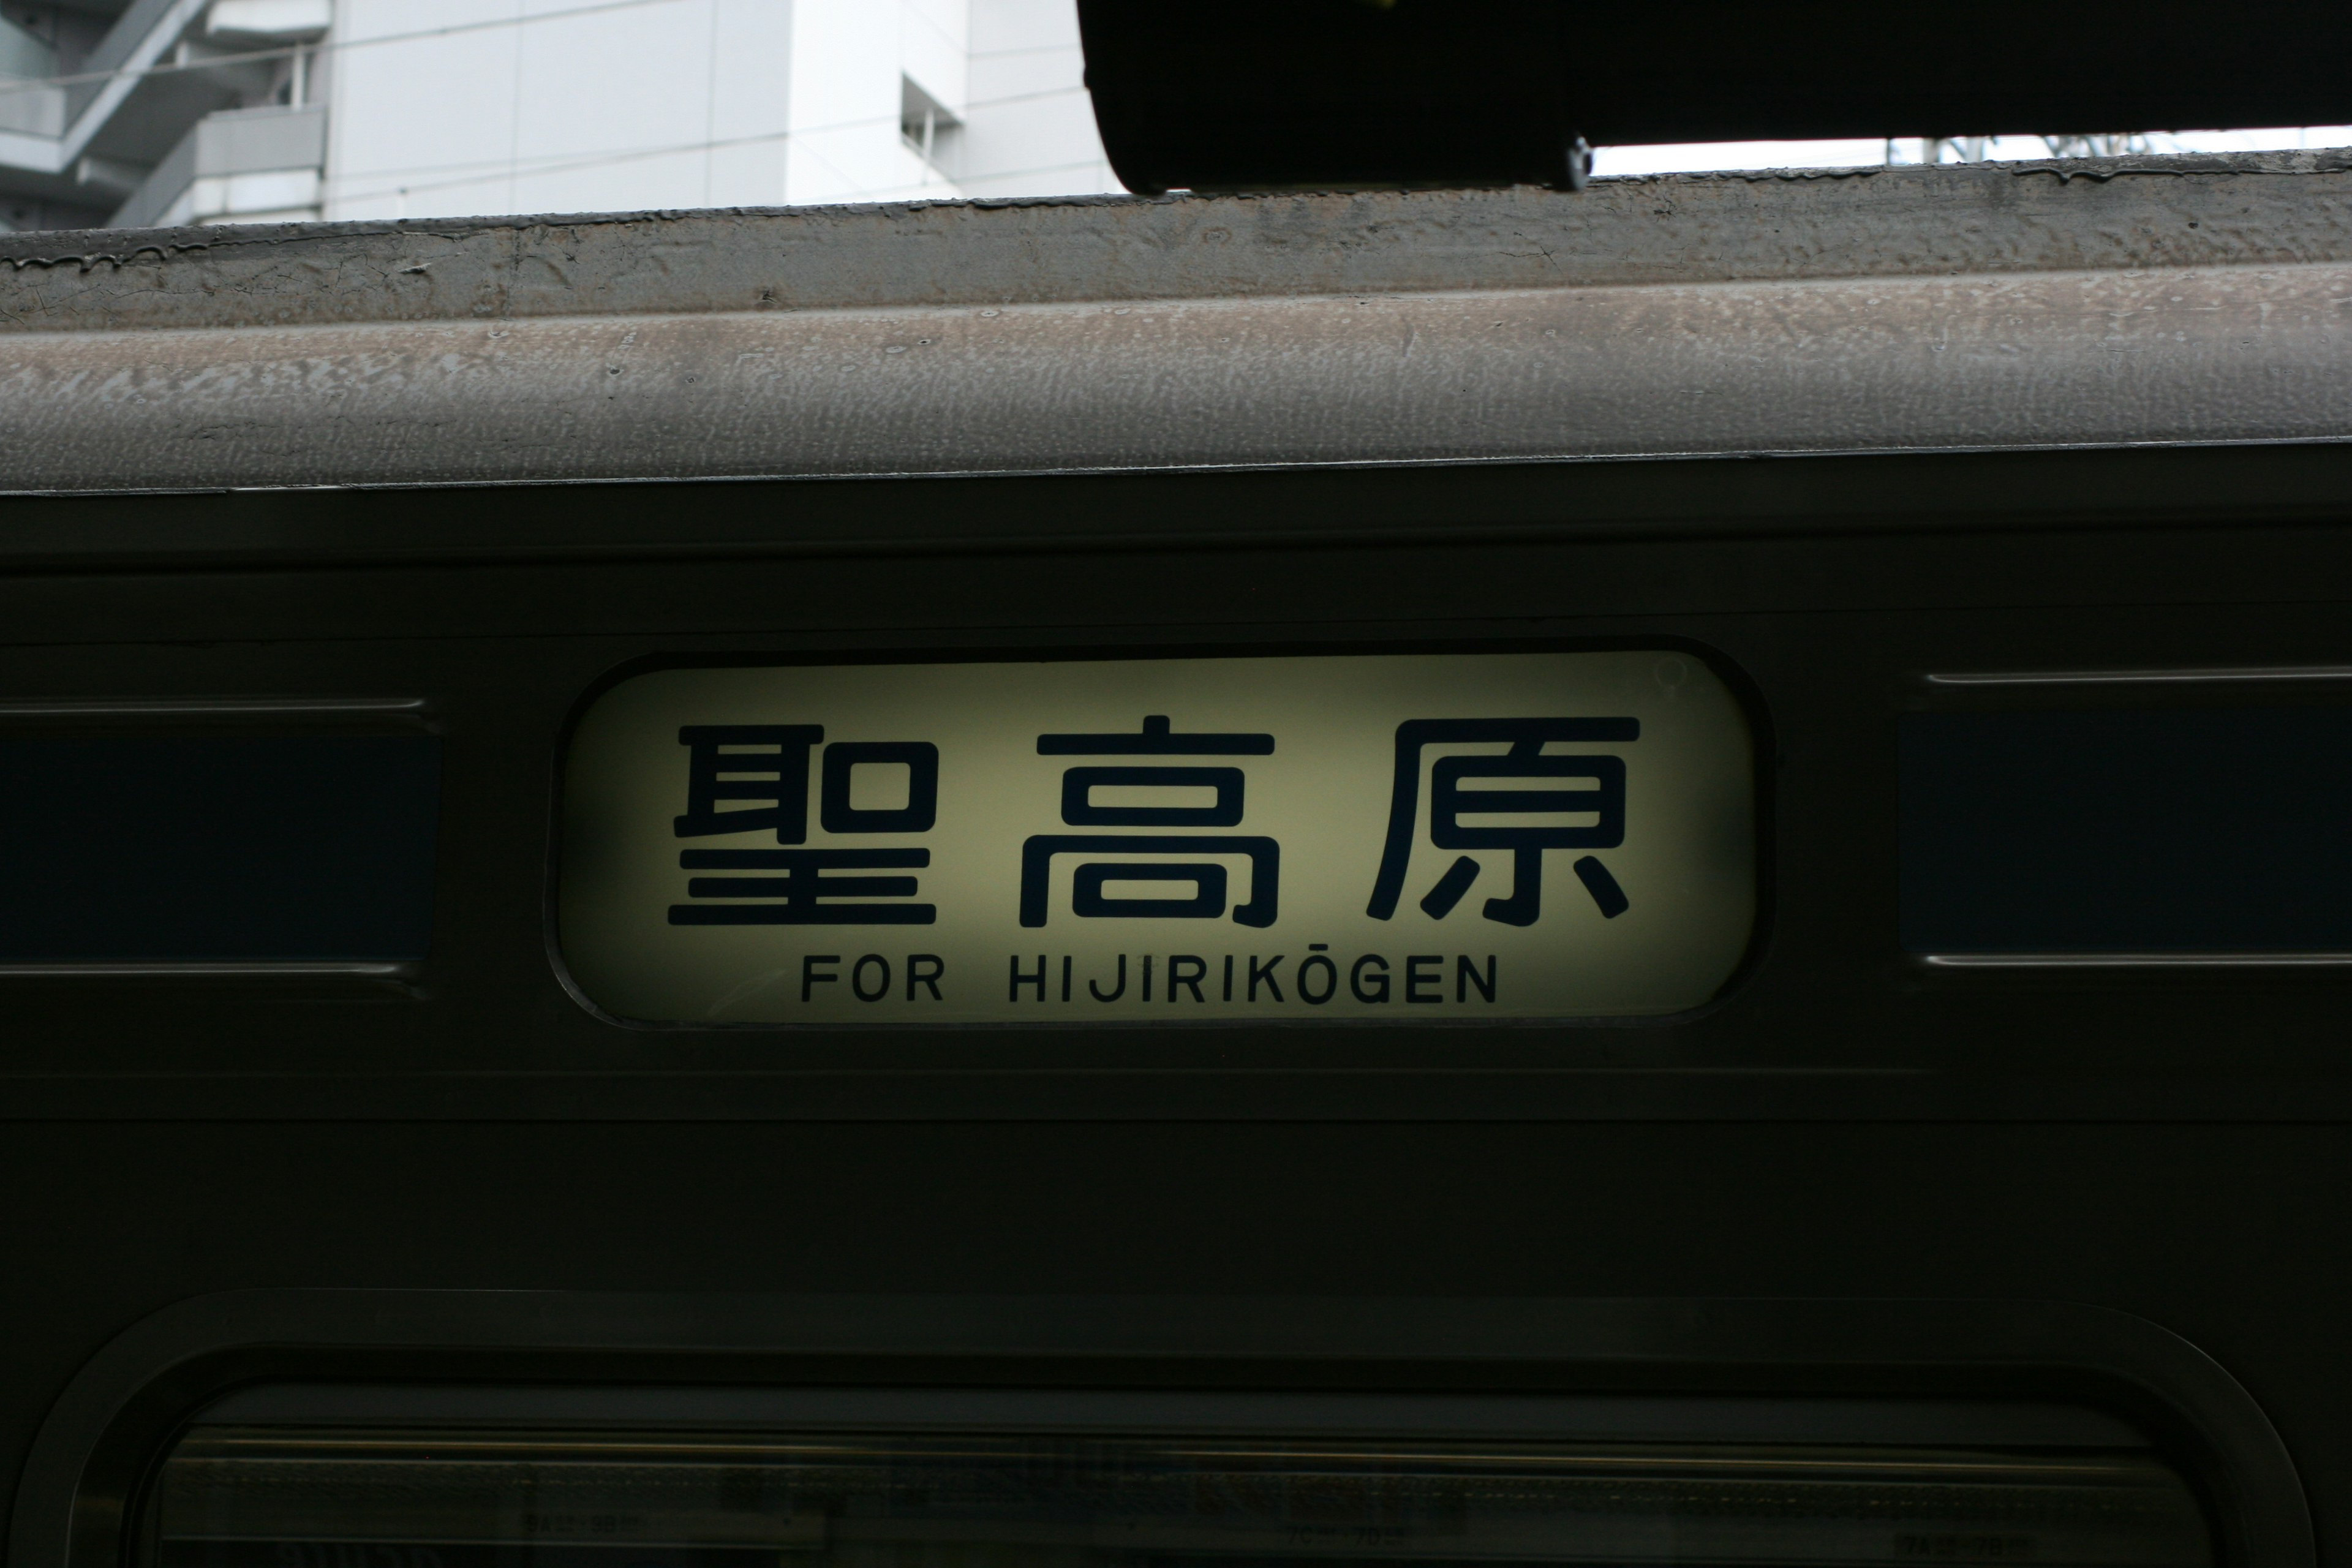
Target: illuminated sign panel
{"points": [[1423, 837]]}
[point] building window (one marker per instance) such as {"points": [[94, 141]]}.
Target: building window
{"points": [[931, 132]]}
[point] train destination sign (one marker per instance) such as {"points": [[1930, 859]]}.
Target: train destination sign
{"points": [[1406, 838]]}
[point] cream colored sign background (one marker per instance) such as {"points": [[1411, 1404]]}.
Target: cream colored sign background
{"points": [[1686, 866]]}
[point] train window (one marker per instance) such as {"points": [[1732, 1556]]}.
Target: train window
{"points": [[210, 849], [1377, 837], [2148, 831], [1744, 1481]]}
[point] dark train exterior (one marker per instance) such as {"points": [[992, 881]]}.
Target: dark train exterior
{"points": [[2006, 1118]]}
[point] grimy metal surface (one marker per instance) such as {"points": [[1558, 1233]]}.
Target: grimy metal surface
{"points": [[2090, 304], [1850, 1175]]}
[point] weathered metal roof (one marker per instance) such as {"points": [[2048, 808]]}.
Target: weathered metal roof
{"points": [[2077, 303]]}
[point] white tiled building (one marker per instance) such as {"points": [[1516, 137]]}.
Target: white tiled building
{"points": [[165, 112]]}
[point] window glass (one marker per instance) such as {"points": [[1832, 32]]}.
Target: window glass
{"points": [[2126, 831], [217, 849], [667, 1496]]}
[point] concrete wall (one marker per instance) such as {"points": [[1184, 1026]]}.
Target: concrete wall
{"points": [[1029, 129], [453, 108], [649, 106]]}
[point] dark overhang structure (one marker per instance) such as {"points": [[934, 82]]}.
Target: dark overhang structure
{"points": [[1270, 94]]}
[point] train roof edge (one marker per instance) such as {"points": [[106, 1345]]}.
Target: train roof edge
{"points": [[2077, 303]]}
